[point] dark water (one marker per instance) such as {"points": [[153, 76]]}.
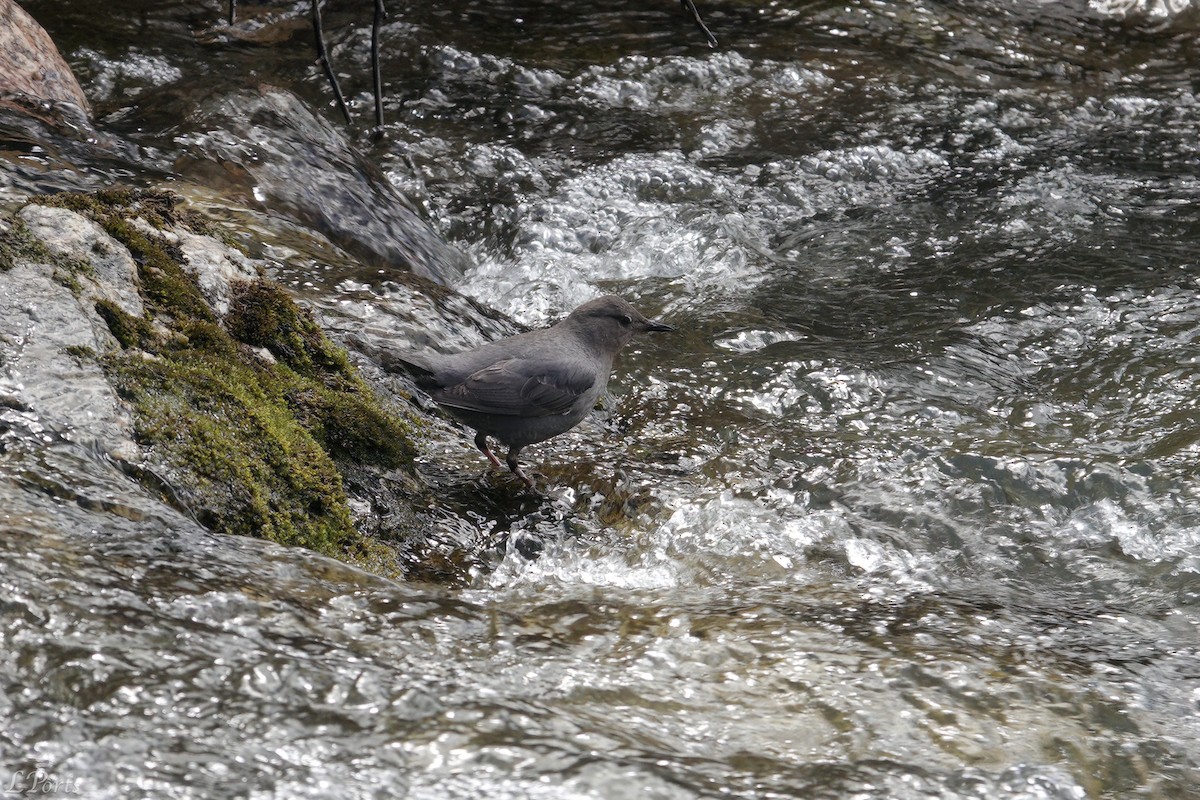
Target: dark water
{"points": [[908, 508]]}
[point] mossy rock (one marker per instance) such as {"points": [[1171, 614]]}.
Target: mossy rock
{"points": [[261, 472], [262, 314], [250, 443], [19, 243]]}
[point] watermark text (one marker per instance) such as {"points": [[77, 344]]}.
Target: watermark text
{"points": [[39, 782]]}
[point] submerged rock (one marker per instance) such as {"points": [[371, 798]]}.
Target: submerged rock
{"points": [[32, 72], [129, 327], [269, 146], [50, 143]]}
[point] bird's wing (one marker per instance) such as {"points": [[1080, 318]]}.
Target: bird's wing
{"points": [[520, 388]]}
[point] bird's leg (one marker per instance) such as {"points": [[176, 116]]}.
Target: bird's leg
{"points": [[481, 443], [515, 466]]}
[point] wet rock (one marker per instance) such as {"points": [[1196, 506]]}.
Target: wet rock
{"points": [[32, 73], [50, 144], [217, 268], [47, 331], [269, 146], [108, 273]]}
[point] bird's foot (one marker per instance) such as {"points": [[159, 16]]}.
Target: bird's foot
{"points": [[515, 466], [481, 443], [520, 473]]}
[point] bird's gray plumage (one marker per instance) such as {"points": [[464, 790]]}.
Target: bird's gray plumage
{"points": [[532, 386]]}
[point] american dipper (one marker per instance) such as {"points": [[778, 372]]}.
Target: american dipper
{"points": [[532, 386]]}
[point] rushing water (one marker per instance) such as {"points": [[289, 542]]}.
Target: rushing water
{"points": [[907, 508]]}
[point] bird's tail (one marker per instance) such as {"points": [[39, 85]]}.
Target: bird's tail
{"points": [[414, 364], [417, 367]]}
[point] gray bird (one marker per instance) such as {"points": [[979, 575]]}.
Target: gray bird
{"points": [[532, 386]]}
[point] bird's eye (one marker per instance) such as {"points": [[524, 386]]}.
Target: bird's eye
{"points": [[625, 319]]}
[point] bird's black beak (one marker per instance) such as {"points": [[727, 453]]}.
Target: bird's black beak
{"points": [[655, 325]]}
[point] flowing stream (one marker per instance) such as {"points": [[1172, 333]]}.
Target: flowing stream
{"points": [[908, 507]]}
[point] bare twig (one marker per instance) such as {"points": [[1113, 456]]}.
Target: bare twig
{"points": [[324, 58], [689, 7], [232, 11], [378, 82]]}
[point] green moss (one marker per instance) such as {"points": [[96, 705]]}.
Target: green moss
{"points": [[325, 392], [351, 425], [69, 269], [128, 330], [259, 472], [262, 314], [253, 445], [166, 287], [69, 280], [19, 244], [161, 208], [156, 207], [169, 289]]}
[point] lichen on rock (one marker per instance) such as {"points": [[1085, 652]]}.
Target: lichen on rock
{"points": [[239, 403]]}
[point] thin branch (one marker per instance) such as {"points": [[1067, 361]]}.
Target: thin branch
{"points": [[689, 7], [378, 82], [324, 58], [232, 11]]}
